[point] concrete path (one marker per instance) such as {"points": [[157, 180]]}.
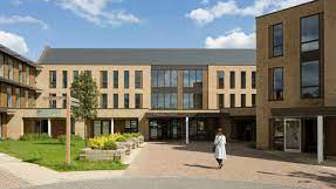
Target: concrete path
{"points": [[162, 183], [243, 164]]}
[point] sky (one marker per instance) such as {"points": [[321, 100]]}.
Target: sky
{"points": [[28, 26]]}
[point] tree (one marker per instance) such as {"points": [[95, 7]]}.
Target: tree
{"points": [[84, 88]]}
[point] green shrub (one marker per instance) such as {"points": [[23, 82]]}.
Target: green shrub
{"points": [[120, 138], [110, 145], [62, 138], [35, 136]]}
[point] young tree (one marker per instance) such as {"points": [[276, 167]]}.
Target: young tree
{"points": [[84, 88]]}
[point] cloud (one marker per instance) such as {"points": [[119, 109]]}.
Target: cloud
{"points": [[205, 2], [231, 8], [95, 11], [16, 19], [13, 41], [235, 39]]}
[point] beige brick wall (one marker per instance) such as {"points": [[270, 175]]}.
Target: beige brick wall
{"points": [[213, 89]]}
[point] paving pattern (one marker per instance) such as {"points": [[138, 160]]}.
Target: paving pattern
{"points": [[243, 164], [9, 181]]}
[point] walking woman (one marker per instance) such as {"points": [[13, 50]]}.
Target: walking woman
{"points": [[219, 145]]}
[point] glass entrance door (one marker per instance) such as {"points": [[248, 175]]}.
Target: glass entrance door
{"points": [[292, 135]]}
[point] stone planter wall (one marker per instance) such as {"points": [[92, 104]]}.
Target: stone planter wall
{"points": [[123, 149]]}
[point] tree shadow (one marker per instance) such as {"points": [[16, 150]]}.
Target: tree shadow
{"points": [[322, 176], [200, 166]]}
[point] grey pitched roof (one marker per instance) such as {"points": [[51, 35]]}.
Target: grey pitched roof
{"points": [[148, 56]]}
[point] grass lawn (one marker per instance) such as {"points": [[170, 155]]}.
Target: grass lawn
{"points": [[51, 153]]}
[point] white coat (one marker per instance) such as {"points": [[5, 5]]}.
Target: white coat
{"points": [[220, 151]]}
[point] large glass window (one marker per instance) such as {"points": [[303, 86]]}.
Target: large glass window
{"points": [[310, 79], [9, 97], [192, 78], [126, 79], [20, 73], [10, 69], [277, 40], [138, 101], [131, 126], [243, 80], [161, 78], [103, 79], [220, 79], [65, 79], [138, 79], [164, 78], [115, 79], [310, 33], [277, 84], [18, 98], [164, 101], [103, 101], [52, 79], [192, 101], [126, 100], [232, 80], [154, 76]]}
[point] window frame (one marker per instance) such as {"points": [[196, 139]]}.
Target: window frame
{"points": [[220, 80], [320, 24], [272, 45], [271, 84], [138, 79]]}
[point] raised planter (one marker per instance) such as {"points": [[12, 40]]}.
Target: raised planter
{"points": [[103, 155], [125, 145]]}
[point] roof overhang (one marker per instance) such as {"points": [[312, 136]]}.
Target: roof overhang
{"points": [[303, 111]]}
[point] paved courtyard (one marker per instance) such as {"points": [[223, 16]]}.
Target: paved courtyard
{"points": [[243, 164]]}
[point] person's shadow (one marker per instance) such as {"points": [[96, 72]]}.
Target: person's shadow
{"points": [[200, 166]]}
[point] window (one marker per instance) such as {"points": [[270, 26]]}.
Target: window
{"points": [[75, 74], [253, 100], [115, 101], [164, 101], [243, 80], [9, 97], [64, 101], [10, 69], [220, 100], [28, 75], [52, 101], [220, 79], [88, 72], [232, 100], [277, 85], [103, 101], [18, 98], [126, 100], [173, 79], [2, 62], [103, 79], [188, 101], [310, 33], [126, 79], [154, 78], [131, 126], [65, 79], [310, 79], [138, 101], [52, 79], [277, 40], [138, 79], [253, 80], [243, 100], [20, 73], [192, 78], [115, 79], [232, 80]]}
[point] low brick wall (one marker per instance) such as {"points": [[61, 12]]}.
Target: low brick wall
{"points": [[123, 149]]}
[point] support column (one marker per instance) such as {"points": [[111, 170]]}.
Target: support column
{"points": [[49, 127], [112, 126], [187, 129], [320, 157]]}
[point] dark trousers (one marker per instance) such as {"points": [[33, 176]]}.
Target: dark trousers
{"points": [[220, 161]]}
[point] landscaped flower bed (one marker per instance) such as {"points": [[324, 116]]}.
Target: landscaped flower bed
{"points": [[112, 147]]}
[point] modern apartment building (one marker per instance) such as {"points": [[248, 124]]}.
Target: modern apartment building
{"points": [[17, 90], [296, 79], [162, 93]]}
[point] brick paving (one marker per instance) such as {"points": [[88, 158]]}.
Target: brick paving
{"points": [[9, 181], [243, 164]]}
